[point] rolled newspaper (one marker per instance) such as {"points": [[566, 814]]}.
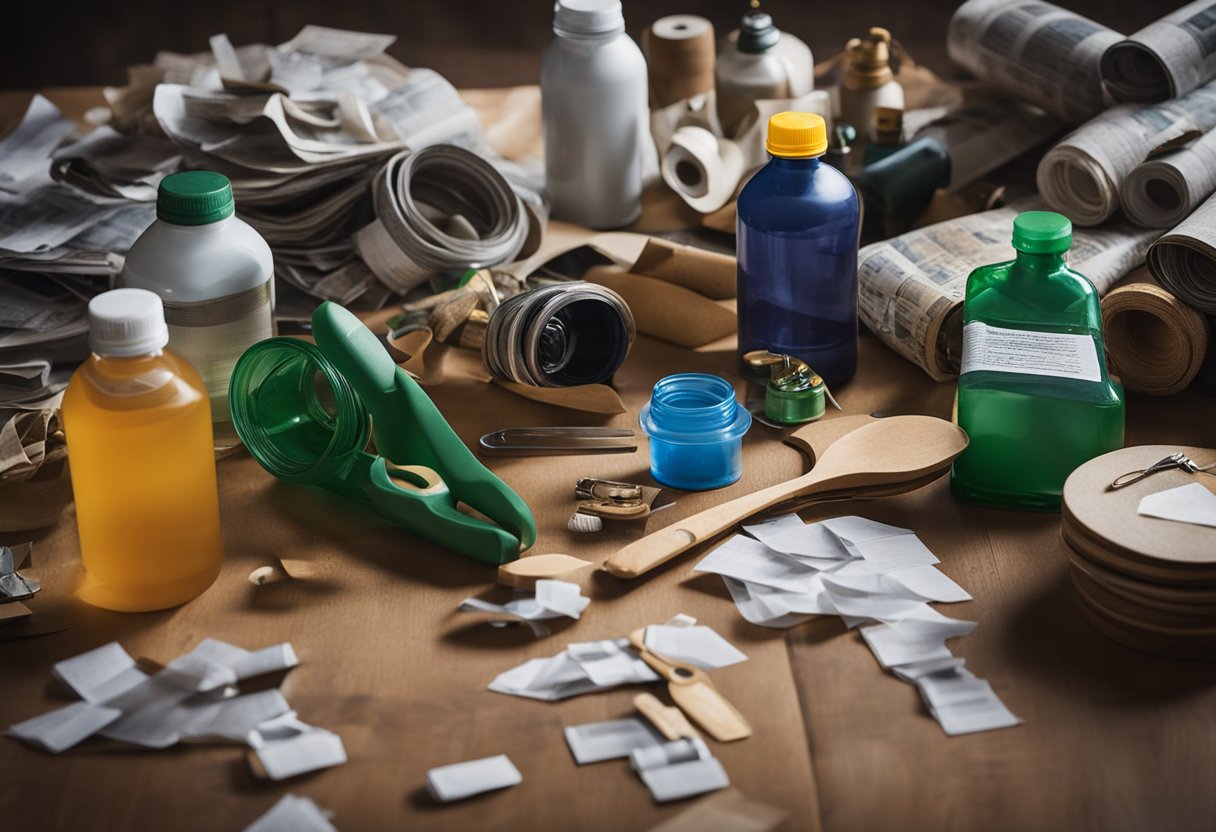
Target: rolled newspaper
{"points": [[912, 286], [440, 208], [1034, 51], [1155, 342], [1183, 260], [559, 336], [1080, 177], [1163, 191], [1166, 59]]}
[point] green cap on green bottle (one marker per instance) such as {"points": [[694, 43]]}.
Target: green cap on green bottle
{"points": [[194, 197], [1042, 232]]}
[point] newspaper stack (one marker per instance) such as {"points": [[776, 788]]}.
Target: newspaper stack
{"points": [[59, 245], [300, 129]]}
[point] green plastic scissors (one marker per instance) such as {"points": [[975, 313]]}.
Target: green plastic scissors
{"points": [[303, 412]]}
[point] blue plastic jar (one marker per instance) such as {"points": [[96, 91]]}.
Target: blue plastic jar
{"points": [[797, 251], [696, 432]]}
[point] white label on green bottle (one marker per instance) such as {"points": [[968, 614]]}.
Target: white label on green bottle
{"points": [[1056, 354]]}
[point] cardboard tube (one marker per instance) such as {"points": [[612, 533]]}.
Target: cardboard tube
{"points": [[1156, 343], [680, 56], [703, 169]]}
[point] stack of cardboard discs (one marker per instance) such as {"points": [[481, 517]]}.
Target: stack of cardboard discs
{"points": [[1143, 581]]}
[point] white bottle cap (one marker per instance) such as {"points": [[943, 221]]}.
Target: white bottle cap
{"points": [[581, 18], [127, 322]]}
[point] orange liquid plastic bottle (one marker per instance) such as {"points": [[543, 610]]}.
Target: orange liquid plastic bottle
{"points": [[138, 425]]}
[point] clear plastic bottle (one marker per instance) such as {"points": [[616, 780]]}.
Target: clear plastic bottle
{"points": [[214, 274], [138, 427], [593, 97], [797, 252], [1034, 394]]}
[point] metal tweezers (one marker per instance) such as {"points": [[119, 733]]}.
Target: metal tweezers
{"points": [[1174, 460], [558, 440]]}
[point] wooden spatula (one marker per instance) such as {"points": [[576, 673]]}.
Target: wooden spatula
{"points": [[668, 720], [880, 455], [691, 689]]}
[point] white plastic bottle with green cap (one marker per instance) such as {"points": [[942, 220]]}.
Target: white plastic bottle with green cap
{"points": [[593, 97], [214, 274]]}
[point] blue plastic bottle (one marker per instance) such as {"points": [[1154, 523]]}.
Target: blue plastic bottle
{"points": [[797, 252]]}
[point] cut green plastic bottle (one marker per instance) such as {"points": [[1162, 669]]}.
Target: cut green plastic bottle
{"points": [[1034, 394]]}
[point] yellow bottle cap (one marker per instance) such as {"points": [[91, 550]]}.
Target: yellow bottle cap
{"points": [[792, 135]]}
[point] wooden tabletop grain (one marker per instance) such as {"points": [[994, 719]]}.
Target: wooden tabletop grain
{"points": [[1113, 739]]}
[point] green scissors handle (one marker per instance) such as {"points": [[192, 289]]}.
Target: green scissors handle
{"points": [[416, 497], [410, 432]]}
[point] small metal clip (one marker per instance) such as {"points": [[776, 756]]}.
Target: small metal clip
{"points": [[1174, 460], [558, 440], [614, 500]]}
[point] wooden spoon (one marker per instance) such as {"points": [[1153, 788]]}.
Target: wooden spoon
{"points": [[691, 689], [881, 453]]}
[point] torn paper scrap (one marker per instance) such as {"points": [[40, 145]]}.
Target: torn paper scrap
{"points": [[886, 548], [100, 674], [929, 583], [762, 606], [310, 751], [14, 587], [63, 728], [192, 698], [925, 583], [669, 753], [676, 782], [595, 742], [750, 560], [860, 607], [553, 599], [611, 662], [583, 667], [461, 780], [282, 727], [273, 659], [1191, 503], [236, 717], [679, 769], [699, 646], [293, 814], [790, 536], [913, 640], [963, 703]]}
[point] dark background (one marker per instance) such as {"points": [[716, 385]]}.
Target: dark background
{"points": [[475, 43]]}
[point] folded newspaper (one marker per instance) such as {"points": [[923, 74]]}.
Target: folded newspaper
{"points": [[912, 286]]}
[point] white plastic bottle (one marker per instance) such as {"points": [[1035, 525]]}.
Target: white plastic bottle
{"points": [[593, 95], [759, 62], [213, 273]]}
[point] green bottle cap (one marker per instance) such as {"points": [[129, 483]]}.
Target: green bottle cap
{"points": [[792, 405], [1042, 232], [194, 197]]}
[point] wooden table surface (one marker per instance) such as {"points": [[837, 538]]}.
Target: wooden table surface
{"points": [[1113, 739]]}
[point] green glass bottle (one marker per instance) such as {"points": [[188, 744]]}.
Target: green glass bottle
{"points": [[1034, 394]]}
